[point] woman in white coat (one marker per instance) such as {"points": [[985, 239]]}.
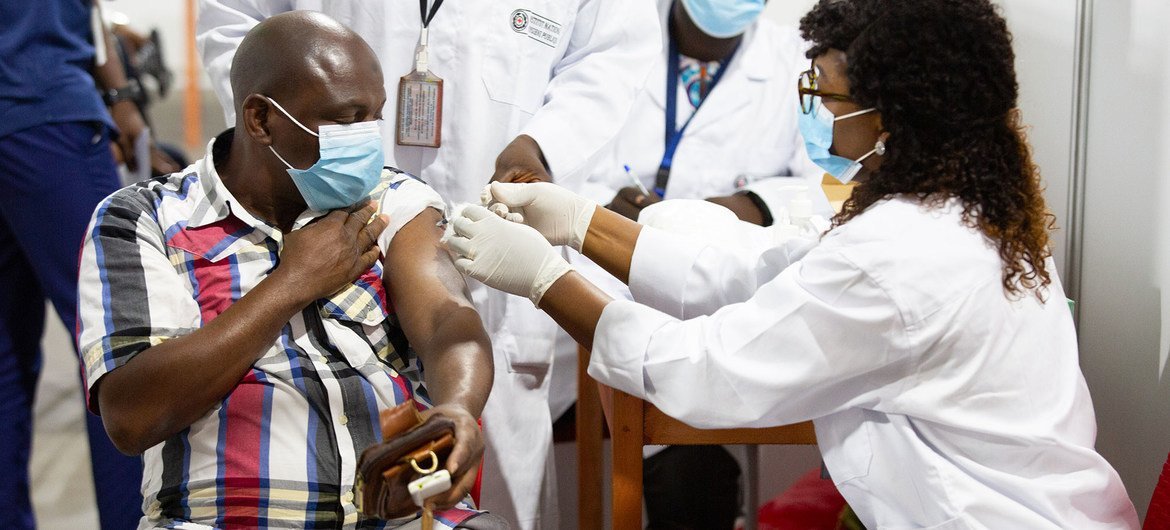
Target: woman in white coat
{"points": [[531, 90], [926, 335]]}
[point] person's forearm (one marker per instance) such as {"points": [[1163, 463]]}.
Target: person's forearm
{"points": [[742, 206], [531, 148], [610, 242], [522, 161], [110, 74], [576, 305], [463, 376], [168, 387]]}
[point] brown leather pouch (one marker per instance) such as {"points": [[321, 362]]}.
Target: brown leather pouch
{"points": [[384, 470]]}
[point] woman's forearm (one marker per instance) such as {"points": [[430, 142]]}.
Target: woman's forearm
{"points": [[576, 305], [610, 242]]}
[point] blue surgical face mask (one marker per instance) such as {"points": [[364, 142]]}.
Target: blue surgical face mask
{"points": [[349, 169], [817, 129], [723, 18]]}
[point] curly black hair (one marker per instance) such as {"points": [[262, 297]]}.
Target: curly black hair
{"points": [[942, 75]]}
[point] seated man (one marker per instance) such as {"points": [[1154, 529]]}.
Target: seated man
{"points": [[244, 322]]}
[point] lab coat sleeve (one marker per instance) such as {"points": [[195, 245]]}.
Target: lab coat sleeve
{"points": [[594, 86], [219, 28], [819, 338], [684, 277]]}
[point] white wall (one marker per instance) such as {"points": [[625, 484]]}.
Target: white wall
{"points": [[169, 17], [788, 12], [1126, 242], [1044, 34]]}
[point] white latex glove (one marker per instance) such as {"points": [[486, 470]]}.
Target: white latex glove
{"points": [[560, 215], [508, 256]]}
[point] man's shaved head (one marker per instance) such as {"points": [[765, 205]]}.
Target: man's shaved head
{"points": [[285, 53], [320, 73]]}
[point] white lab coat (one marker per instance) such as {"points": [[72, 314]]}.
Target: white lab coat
{"points": [[938, 401], [499, 83], [746, 131]]}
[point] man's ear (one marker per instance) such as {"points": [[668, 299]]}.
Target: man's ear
{"points": [[254, 115]]}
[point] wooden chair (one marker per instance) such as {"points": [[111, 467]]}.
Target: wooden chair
{"points": [[634, 423]]}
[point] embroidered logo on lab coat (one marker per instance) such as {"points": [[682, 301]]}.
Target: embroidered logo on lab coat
{"points": [[538, 28]]}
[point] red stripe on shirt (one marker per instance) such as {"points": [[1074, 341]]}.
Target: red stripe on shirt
{"points": [[241, 480], [214, 293]]}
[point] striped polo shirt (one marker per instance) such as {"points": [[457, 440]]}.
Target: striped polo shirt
{"points": [[166, 256]]}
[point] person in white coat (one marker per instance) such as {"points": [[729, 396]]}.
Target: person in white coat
{"points": [[926, 335], [717, 147], [530, 90], [725, 67]]}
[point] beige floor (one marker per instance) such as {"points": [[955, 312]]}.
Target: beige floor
{"points": [[62, 481]]}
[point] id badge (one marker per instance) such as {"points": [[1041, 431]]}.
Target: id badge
{"points": [[420, 109]]}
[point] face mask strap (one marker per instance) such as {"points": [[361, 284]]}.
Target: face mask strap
{"points": [[853, 114], [280, 157], [855, 166], [865, 156], [291, 118]]}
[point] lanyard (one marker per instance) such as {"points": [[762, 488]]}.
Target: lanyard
{"points": [[428, 17], [673, 133], [420, 53]]}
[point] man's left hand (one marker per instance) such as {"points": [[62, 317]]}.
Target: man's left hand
{"points": [[463, 462], [522, 161]]}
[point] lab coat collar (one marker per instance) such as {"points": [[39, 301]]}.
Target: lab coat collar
{"points": [[754, 59]]}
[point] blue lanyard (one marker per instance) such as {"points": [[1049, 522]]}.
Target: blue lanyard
{"points": [[673, 133]]}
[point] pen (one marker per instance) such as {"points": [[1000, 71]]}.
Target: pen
{"points": [[635, 180]]}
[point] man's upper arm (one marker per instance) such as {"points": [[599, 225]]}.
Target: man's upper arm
{"points": [[421, 279], [130, 296], [220, 27], [610, 52]]}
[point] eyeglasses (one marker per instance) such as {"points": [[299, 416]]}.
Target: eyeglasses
{"points": [[806, 88]]}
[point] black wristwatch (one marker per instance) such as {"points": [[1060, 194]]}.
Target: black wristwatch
{"points": [[114, 95]]}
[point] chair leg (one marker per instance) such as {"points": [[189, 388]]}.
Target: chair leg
{"points": [[751, 487], [589, 483], [627, 461]]}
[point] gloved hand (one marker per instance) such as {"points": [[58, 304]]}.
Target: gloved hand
{"points": [[505, 255], [560, 215]]}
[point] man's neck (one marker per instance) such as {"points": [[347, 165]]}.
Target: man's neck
{"points": [[256, 184], [693, 43]]}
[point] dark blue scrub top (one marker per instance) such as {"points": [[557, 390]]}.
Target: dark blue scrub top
{"points": [[46, 56]]}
